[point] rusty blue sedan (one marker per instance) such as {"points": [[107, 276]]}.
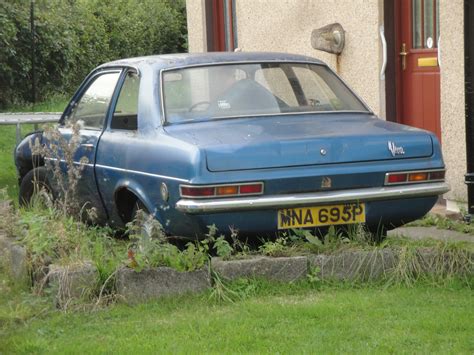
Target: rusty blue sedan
{"points": [[252, 142]]}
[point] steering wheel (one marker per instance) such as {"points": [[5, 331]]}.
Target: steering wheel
{"points": [[199, 103]]}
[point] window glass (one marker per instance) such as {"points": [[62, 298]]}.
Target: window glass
{"points": [[417, 40], [220, 91], [425, 23], [316, 91], [126, 110], [91, 109], [429, 24], [274, 78]]}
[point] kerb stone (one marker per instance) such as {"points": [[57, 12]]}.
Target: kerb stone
{"points": [[14, 258], [284, 269], [158, 282], [70, 282], [355, 265]]}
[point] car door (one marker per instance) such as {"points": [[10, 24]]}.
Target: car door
{"points": [[120, 137], [85, 124]]}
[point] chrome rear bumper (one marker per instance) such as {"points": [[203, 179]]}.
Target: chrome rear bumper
{"points": [[313, 198]]}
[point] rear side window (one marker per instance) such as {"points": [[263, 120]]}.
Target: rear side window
{"points": [[126, 110], [91, 109]]}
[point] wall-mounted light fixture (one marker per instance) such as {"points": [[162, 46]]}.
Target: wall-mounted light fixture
{"points": [[330, 38]]}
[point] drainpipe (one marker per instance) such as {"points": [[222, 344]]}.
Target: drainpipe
{"points": [[469, 92], [230, 25]]}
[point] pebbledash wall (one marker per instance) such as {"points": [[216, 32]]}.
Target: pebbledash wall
{"points": [[286, 26]]}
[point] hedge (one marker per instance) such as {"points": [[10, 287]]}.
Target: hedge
{"points": [[74, 36]]}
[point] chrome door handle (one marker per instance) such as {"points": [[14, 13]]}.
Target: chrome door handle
{"points": [[87, 145], [384, 53]]}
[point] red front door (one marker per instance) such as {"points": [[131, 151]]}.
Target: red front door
{"points": [[418, 87]]}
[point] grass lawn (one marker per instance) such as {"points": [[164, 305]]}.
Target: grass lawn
{"points": [[275, 318], [8, 178]]}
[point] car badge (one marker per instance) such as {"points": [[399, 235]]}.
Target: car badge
{"points": [[394, 149], [326, 183]]}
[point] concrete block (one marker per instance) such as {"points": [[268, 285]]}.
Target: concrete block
{"points": [[72, 282], [14, 259], [355, 265], [5, 208], [18, 263], [157, 282], [443, 262], [284, 269]]}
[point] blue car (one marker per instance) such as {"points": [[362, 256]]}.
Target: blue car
{"points": [[251, 142]]}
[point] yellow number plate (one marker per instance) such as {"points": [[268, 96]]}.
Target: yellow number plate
{"points": [[321, 216]]}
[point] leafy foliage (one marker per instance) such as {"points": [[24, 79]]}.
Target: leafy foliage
{"points": [[72, 37]]}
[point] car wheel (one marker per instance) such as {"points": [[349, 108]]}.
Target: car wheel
{"points": [[34, 182]]}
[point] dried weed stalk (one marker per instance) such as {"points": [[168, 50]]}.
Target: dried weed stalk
{"points": [[59, 156]]}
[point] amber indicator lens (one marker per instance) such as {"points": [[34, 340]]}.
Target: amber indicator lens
{"points": [[197, 191], [437, 175], [418, 177], [396, 178], [251, 189], [227, 190]]}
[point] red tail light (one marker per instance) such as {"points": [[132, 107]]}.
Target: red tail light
{"points": [[396, 178], [251, 189], [437, 175], [197, 191], [244, 189], [410, 177]]}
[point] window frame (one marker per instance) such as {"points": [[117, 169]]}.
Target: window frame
{"points": [[116, 96]]}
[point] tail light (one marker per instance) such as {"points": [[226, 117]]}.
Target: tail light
{"points": [[411, 177], [228, 190]]}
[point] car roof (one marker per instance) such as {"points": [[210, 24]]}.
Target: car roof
{"points": [[185, 59]]}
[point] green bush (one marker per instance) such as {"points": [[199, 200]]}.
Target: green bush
{"points": [[74, 36]]}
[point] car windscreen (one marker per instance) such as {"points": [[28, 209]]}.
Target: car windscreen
{"points": [[252, 89]]}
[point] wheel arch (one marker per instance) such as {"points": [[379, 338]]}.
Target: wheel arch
{"points": [[125, 197], [24, 158]]}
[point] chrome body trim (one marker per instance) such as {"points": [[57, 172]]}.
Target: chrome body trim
{"points": [[275, 202], [121, 170], [140, 173]]}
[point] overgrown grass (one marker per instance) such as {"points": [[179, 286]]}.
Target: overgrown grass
{"points": [[269, 318], [51, 237]]}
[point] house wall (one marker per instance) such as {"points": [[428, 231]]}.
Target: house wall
{"points": [[286, 26], [453, 122], [196, 21]]}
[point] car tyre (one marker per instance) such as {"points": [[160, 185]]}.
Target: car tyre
{"points": [[33, 182]]}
